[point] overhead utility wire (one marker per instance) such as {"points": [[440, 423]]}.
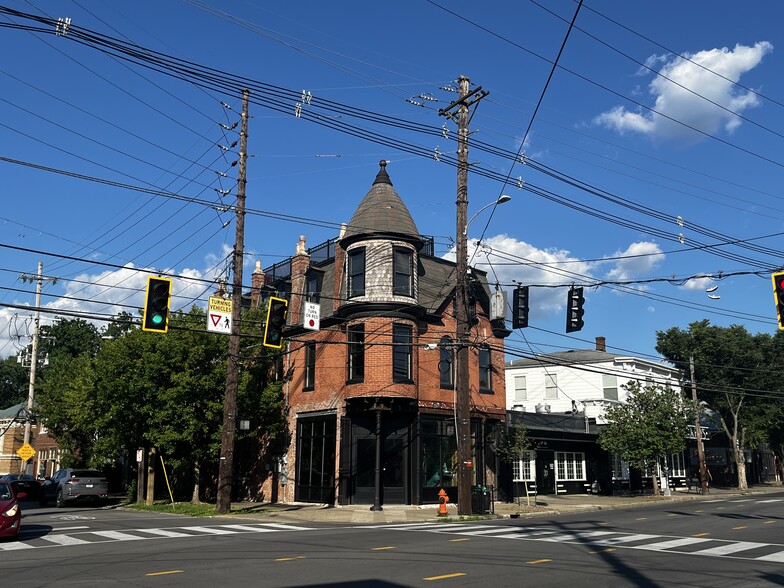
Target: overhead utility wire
{"points": [[417, 150], [610, 90], [661, 75]]}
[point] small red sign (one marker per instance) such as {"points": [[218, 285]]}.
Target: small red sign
{"points": [[215, 318]]}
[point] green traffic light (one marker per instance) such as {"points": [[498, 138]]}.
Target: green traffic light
{"points": [[157, 319]]}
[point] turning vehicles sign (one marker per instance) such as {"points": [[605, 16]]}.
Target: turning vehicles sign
{"points": [[219, 315]]}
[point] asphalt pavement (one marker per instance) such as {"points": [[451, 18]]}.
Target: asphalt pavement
{"points": [[540, 506]]}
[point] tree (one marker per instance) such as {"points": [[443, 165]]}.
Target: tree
{"points": [[512, 446], [14, 382], [732, 369], [651, 424]]}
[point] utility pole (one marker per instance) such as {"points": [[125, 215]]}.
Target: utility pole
{"points": [[226, 466], [39, 280], [698, 430], [463, 330]]}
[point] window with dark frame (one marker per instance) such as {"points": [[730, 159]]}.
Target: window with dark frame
{"points": [[485, 370], [314, 287], [446, 362], [356, 272], [403, 271], [356, 353], [401, 353], [310, 366]]}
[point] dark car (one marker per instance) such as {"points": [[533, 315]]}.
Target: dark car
{"points": [[10, 513], [74, 484], [23, 483]]}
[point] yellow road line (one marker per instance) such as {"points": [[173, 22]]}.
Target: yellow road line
{"points": [[461, 539], [700, 534], [608, 550], [741, 527], [290, 558], [673, 514], [444, 577], [768, 522], [165, 573], [699, 510], [538, 561], [381, 548], [641, 519]]}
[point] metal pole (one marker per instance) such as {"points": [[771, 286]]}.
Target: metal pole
{"points": [[377, 494], [226, 466], [698, 430]]}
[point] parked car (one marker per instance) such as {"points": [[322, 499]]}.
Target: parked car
{"points": [[74, 484], [10, 513], [23, 483]]}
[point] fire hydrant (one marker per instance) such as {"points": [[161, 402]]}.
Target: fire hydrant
{"points": [[442, 500]]}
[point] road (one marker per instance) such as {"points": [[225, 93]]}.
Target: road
{"points": [[731, 542]]}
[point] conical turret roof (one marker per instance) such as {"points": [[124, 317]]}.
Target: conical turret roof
{"points": [[382, 214]]}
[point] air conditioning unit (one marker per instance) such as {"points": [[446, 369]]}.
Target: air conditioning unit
{"points": [[518, 406], [542, 408]]}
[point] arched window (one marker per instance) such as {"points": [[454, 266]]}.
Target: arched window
{"points": [[446, 363]]}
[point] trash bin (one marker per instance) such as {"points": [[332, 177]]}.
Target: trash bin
{"points": [[480, 500]]}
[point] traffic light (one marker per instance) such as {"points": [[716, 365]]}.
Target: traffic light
{"points": [[520, 307], [574, 309], [276, 320], [156, 306], [778, 291]]}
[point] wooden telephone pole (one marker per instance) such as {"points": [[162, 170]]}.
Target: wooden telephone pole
{"points": [[698, 430], [462, 290], [226, 466]]}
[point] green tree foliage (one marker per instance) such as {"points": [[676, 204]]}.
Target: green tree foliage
{"points": [[14, 382], [156, 390], [735, 373], [512, 443], [649, 426]]}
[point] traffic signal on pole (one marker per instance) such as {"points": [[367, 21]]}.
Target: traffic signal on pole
{"points": [[574, 309], [156, 306], [520, 307], [276, 320], [778, 291]]}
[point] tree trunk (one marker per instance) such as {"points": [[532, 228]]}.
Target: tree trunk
{"points": [[655, 480], [195, 499], [740, 466]]}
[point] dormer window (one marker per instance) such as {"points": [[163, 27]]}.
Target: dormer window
{"points": [[356, 272], [314, 287], [403, 271]]}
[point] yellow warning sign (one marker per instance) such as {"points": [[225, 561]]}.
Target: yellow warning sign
{"points": [[26, 451], [218, 304]]}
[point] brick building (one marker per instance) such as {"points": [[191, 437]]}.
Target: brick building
{"points": [[373, 389]]}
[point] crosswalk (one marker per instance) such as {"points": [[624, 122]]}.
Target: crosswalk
{"points": [[747, 550], [59, 539]]}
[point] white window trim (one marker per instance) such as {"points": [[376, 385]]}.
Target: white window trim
{"points": [[530, 462]]}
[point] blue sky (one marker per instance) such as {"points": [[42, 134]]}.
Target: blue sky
{"points": [[657, 142]]}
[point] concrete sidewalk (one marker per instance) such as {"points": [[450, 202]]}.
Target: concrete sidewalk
{"points": [[545, 505]]}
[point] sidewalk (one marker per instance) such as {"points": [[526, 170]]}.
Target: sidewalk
{"points": [[545, 505]]}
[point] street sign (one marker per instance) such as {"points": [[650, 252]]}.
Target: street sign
{"points": [[312, 316], [219, 315], [26, 452]]}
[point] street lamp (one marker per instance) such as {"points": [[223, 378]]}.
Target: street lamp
{"points": [[501, 199], [463, 329]]}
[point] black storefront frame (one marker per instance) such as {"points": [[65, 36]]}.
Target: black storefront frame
{"points": [[315, 461]]}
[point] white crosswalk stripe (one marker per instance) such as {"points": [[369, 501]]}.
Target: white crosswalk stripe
{"points": [[609, 538], [87, 537]]}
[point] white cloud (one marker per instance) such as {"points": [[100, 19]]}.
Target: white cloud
{"points": [[636, 260], [507, 260], [696, 108], [700, 283]]}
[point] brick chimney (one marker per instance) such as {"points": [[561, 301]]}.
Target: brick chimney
{"points": [[601, 344], [299, 265], [257, 282]]}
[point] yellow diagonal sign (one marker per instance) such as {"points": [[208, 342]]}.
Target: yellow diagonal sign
{"points": [[26, 451]]}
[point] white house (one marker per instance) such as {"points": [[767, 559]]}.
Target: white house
{"points": [[580, 381], [561, 398]]}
